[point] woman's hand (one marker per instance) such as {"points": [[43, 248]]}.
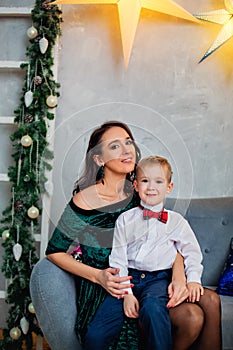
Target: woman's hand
{"points": [[177, 292], [177, 289], [113, 284]]}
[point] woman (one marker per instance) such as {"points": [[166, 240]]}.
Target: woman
{"points": [[101, 195]]}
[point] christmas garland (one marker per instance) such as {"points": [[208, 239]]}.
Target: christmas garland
{"points": [[21, 220]]}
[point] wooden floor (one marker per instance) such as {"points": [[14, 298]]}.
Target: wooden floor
{"points": [[45, 344]]}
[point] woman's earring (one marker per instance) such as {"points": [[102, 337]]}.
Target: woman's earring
{"points": [[132, 176], [101, 171]]}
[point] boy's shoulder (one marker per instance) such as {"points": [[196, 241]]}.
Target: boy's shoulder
{"points": [[175, 216], [130, 213]]}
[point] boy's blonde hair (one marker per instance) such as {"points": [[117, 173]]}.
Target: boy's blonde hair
{"points": [[156, 160]]}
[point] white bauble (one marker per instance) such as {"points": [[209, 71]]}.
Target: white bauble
{"points": [[26, 141], [33, 212], [15, 333], [51, 101], [32, 32]]}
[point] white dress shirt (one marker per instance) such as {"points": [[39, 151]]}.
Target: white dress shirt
{"points": [[151, 245]]}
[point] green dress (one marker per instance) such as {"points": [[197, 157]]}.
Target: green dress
{"points": [[94, 231]]}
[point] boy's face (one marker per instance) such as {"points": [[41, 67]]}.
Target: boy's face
{"points": [[152, 184]]}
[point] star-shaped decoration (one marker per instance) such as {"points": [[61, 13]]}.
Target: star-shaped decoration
{"points": [[129, 14], [221, 16]]}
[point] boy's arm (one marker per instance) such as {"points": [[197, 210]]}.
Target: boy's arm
{"points": [[189, 248], [118, 257], [195, 291], [131, 306]]}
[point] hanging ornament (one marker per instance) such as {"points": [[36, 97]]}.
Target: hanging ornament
{"points": [[32, 32], [18, 206], [17, 251], [15, 333], [37, 80], [33, 212], [19, 171], [26, 141], [5, 235], [28, 118], [31, 308], [51, 101], [43, 45], [24, 324], [28, 98], [26, 178]]}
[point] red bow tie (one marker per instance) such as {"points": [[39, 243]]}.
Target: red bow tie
{"points": [[161, 216]]}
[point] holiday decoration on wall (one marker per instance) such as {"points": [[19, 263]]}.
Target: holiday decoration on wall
{"points": [[129, 13], [223, 17], [21, 219]]}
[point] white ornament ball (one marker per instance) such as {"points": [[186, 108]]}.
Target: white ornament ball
{"points": [[5, 235], [51, 101], [31, 308], [33, 212], [32, 32], [26, 141], [15, 333]]}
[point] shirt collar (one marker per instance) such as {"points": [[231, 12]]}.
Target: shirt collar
{"points": [[156, 208]]}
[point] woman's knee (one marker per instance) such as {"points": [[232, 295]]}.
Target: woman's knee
{"points": [[51, 288], [194, 316], [210, 300], [187, 318]]}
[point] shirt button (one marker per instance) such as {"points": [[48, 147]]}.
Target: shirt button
{"points": [[143, 275]]}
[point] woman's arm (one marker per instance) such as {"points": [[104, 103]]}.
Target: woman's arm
{"points": [[177, 289], [106, 278]]}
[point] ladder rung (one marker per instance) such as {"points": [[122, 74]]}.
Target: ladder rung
{"points": [[15, 11], [11, 64], [7, 120], [2, 294], [37, 237], [4, 177]]}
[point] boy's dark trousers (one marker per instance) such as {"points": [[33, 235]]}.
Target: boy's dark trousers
{"points": [[151, 289]]}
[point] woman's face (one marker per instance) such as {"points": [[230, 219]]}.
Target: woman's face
{"points": [[118, 151]]}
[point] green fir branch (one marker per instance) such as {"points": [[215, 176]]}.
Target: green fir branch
{"points": [[28, 175]]}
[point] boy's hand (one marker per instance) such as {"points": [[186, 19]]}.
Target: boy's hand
{"points": [[195, 291], [131, 306]]}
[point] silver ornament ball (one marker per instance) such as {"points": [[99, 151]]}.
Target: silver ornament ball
{"points": [[32, 32]]}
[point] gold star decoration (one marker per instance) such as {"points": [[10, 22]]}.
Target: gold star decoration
{"points": [[221, 16], [129, 13]]}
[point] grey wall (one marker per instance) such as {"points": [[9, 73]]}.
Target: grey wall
{"points": [[175, 106]]}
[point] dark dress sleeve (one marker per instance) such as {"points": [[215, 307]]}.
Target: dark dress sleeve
{"points": [[68, 229]]}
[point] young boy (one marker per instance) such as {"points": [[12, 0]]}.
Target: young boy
{"points": [[145, 244]]}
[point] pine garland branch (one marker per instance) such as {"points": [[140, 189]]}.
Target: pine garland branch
{"points": [[21, 219]]}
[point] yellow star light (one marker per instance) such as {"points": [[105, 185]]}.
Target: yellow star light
{"points": [[221, 16], [129, 13]]}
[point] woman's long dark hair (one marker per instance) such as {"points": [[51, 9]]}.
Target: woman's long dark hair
{"points": [[91, 174]]}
